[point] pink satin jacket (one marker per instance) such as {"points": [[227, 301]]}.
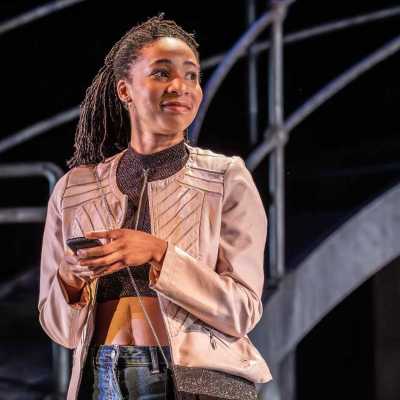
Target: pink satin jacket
{"points": [[211, 280]]}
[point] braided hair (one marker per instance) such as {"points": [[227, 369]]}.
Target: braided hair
{"points": [[104, 126]]}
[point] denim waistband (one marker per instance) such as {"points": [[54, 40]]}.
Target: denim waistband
{"points": [[128, 355]]}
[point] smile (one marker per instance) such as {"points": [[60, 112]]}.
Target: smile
{"points": [[176, 107]]}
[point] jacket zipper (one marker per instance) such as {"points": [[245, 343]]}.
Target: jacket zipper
{"points": [[158, 296], [144, 186], [139, 209], [145, 176], [213, 342], [213, 338]]}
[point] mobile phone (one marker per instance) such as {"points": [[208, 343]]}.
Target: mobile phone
{"points": [[81, 242]]}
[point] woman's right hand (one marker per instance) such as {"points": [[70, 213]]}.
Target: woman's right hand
{"points": [[72, 274]]}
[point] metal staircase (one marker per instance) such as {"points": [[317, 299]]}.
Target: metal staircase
{"points": [[291, 308]]}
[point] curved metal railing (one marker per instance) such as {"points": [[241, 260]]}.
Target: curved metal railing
{"points": [[48, 170], [36, 13], [319, 99], [38, 129], [224, 67], [318, 30], [71, 114], [276, 135]]}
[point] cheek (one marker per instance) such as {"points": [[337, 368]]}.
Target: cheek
{"points": [[147, 96], [198, 97], [153, 96], [147, 100]]}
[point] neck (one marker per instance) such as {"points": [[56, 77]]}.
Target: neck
{"points": [[148, 143]]}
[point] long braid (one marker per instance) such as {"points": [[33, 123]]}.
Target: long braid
{"points": [[104, 126]]}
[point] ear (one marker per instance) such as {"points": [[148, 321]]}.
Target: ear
{"points": [[123, 91]]}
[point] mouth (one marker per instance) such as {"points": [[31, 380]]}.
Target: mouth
{"points": [[176, 106]]}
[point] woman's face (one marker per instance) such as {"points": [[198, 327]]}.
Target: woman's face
{"points": [[164, 87]]}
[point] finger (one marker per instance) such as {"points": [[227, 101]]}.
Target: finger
{"points": [[84, 275], [99, 251], [71, 259], [102, 271], [69, 252], [105, 270], [110, 234], [101, 261], [78, 270]]}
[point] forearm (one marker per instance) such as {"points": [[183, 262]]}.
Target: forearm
{"points": [[60, 320], [218, 300]]}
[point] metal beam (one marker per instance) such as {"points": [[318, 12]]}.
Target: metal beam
{"points": [[357, 250], [252, 76], [223, 69], [22, 215], [65, 116], [37, 129], [50, 171], [315, 31], [320, 98], [276, 184], [36, 13]]}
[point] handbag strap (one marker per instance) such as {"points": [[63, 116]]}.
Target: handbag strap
{"points": [[108, 227]]}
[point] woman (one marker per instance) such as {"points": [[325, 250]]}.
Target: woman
{"points": [[177, 281]]}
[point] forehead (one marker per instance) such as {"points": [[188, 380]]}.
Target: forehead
{"points": [[167, 48]]}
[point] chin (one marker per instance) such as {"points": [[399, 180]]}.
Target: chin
{"points": [[172, 129], [176, 123]]}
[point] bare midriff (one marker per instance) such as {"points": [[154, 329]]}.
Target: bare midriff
{"points": [[123, 322]]}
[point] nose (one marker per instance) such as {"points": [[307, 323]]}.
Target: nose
{"points": [[177, 86]]}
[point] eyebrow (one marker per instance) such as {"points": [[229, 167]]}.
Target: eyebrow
{"points": [[167, 61]]}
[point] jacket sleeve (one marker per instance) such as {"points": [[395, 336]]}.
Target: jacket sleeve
{"points": [[229, 296], [61, 320]]}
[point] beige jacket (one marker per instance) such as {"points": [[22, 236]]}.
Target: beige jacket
{"points": [[211, 281]]}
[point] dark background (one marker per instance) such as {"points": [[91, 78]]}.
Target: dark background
{"points": [[337, 160]]}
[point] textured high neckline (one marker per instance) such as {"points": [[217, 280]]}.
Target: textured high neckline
{"points": [[175, 153], [159, 165]]}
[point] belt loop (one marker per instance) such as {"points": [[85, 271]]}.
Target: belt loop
{"points": [[154, 360], [115, 355]]}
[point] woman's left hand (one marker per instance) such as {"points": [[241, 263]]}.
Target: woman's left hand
{"points": [[124, 247]]}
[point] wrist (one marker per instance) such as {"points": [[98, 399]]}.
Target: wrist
{"points": [[70, 282], [160, 248], [72, 291]]}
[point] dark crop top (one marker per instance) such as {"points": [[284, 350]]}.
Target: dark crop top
{"points": [[130, 178]]}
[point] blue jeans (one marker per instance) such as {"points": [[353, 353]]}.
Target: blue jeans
{"points": [[124, 373]]}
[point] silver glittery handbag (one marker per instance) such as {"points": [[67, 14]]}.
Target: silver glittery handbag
{"points": [[183, 383], [217, 385]]}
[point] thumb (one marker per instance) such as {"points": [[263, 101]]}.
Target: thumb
{"points": [[69, 252]]}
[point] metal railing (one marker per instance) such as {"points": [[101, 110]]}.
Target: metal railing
{"points": [[65, 116], [275, 136], [50, 171], [216, 79], [38, 129], [318, 30], [47, 170], [277, 133], [35, 14]]}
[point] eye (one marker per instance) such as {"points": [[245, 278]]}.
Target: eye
{"points": [[160, 73], [193, 76]]}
